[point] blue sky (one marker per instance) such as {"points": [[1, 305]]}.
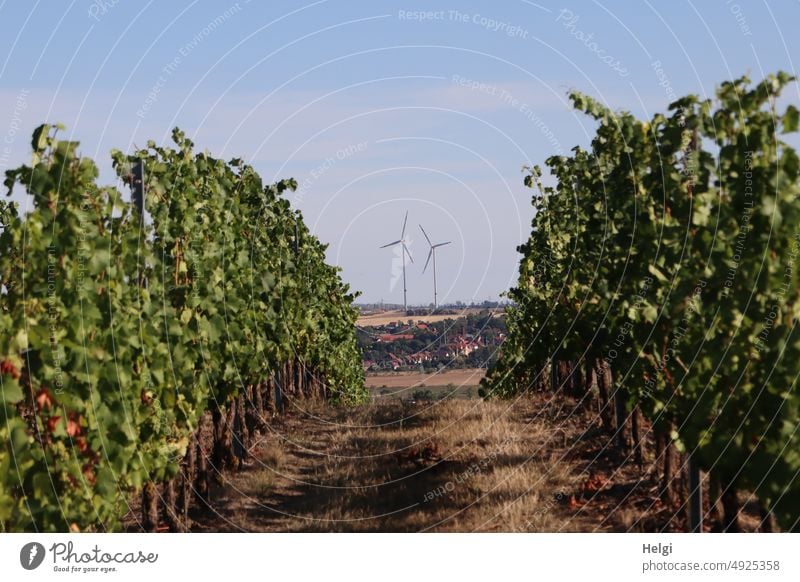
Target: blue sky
{"points": [[375, 107]]}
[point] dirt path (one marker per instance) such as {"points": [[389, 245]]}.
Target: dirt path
{"points": [[448, 466]]}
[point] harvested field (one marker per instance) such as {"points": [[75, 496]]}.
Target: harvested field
{"points": [[386, 317], [465, 377]]}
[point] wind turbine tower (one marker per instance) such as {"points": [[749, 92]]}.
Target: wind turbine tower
{"points": [[402, 242], [432, 255]]}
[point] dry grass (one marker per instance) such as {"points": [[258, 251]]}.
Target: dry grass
{"points": [[260, 483], [538, 463], [272, 455], [447, 466]]}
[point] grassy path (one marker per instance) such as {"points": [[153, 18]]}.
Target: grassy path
{"points": [[458, 465]]}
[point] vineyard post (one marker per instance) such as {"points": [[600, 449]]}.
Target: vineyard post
{"points": [[621, 414], [278, 394], [730, 508], [200, 480], [636, 436], [296, 237], [187, 475], [149, 507], [767, 520], [590, 380], [137, 186], [604, 380], [695, 497], [170, 506], [239, 432]]}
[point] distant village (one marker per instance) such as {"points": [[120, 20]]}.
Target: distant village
{"points": [[469, 341]]}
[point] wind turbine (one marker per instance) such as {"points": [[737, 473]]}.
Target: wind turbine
{"points": [[402, 242], [432, 254]]}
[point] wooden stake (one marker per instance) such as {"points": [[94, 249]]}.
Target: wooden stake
{"points": [[636, 435], [150, 507], [604, 380], [731, 508], [695, 497]]}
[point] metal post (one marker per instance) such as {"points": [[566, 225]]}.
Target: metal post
{"points": [[137, 185]]}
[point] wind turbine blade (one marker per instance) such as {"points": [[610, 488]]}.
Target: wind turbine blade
{"points": [[405, 248], [403, 234], [442, 244], [426, 235], [391, 244], [430, 254]]}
